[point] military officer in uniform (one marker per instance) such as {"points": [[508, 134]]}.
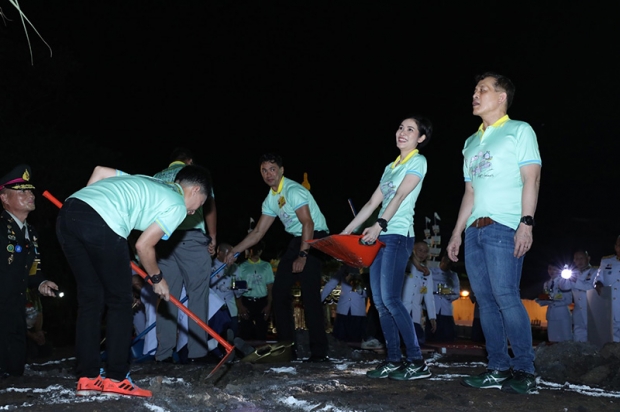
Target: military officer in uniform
{"points": [[418, 289], [609, 275], [19, 268], [557, 299], [580, 282], [447, 289]]}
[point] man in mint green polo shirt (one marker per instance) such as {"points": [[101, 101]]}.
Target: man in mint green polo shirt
{"points": [[502, 178], [294, 205], [92, 228], [186, 260]]}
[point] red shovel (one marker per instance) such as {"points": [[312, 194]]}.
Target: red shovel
{"points": [[228, 347]]}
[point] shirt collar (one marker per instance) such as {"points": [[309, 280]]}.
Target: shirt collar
{"points": [[279, 187], [19, 223], [409, 156], [499, 123]]}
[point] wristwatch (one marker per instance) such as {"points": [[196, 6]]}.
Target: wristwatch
{"points": [[155, 278], [303, 253], [528, 220], [383, 223]]}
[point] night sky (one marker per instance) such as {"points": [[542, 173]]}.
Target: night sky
{"points": [[325, 84]]}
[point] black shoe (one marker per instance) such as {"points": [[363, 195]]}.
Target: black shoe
{"points": [[293, 353], [183, 355], [245, 348], [316, 359], [167, 360]]}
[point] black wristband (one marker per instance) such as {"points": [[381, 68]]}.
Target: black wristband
{"points": [[383, 223]]}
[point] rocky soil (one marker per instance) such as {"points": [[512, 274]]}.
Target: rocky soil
{"points": [[338, 385]]}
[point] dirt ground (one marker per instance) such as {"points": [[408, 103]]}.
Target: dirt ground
{"points": [[338, 385]]}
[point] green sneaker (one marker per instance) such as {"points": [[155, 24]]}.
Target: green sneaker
{"points": [[488, 379], [410, 371], [383, 370], [521, 383]]}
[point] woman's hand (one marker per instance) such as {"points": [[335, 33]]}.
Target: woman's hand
{"points": [[371, 233]]}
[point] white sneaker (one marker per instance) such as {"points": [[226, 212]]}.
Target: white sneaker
{"points": [[372, 344]]}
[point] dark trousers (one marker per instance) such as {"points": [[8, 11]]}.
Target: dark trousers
{"points": [[220, 322], [310, 281], [349, 328], [445, 331], [255, 326], [99, 260], [13, 344]]}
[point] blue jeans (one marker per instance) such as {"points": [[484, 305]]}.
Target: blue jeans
{"points": [[387, 275], [494, 274]]}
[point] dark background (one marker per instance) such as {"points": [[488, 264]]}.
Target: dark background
{"points": [[325, 84]]}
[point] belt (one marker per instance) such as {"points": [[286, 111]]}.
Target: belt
{"points": [[482, 222], [254, 299]]}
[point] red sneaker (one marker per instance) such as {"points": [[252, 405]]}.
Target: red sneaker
{"points": [[88, 386], [125, 387]]}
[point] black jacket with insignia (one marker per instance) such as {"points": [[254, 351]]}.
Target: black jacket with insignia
{"points": [[19, 261]]}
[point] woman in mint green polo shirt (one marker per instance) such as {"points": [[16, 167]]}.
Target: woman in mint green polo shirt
{"points": [[397, 193]]}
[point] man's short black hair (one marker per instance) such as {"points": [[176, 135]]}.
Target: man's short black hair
{"points": [[195, 175], [502, 83], [182, 154], [271, 158], [425, 127]]}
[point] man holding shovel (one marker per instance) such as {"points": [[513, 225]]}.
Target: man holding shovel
{"points": [[92, 228]]}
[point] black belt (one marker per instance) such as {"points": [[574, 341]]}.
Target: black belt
{"points": [[254, 299]]}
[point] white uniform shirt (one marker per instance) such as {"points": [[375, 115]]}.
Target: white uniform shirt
{"points": [[418, 294], [349, 299]]}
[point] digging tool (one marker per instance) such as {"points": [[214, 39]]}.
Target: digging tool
{"points": [[230, 350]]}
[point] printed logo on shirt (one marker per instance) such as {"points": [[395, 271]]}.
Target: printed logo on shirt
{"points": [[480, 165], [285, 219], [388, 189]]}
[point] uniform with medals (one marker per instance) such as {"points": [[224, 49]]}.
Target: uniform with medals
{"points": [[19, 270], [418, 294]]}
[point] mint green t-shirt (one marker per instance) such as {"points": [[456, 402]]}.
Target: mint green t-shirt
{"points": [[128, 202], [258, 275], [195, 221], [492, 162], [284, 204], [402, 221]]}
